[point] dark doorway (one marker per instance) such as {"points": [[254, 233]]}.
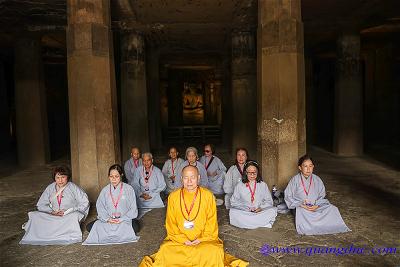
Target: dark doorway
{"points": [[192, 99]]}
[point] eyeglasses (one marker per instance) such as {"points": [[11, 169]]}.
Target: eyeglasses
{"points": [[207, 151], [251, 173], [115, 177]]}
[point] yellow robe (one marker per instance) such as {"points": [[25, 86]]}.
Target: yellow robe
{"points": [[210, 251]]}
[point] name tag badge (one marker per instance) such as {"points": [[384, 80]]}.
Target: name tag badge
{"points": [[188, 225]]}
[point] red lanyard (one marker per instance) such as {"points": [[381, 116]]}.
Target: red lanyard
{"points": [[59, 196], [191, 206], [252, 192], [147, 177], [136, 162], [172, 162], [309, 186], [115, 203]]}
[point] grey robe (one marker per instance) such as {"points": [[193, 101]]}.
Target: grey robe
{"points": [[130, 168], [104, 233], [167, 172], [155, 185], [325, 220], [44, 228], [216, 182], [240, 214], [232, 178], [202, 172]]}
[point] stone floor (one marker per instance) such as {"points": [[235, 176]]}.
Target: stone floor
{"points": [[366, 192]]}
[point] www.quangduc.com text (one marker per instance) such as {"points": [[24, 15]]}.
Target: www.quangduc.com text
{"points": [[338, 251]]}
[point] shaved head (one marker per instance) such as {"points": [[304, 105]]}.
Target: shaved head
{"points": [[190, 167], [190, 178]]}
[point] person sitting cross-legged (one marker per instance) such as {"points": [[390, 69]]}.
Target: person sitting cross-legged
{"points": [[305, 194], [116, 212], [61, 209], [192, 228], [251, 202], [148, 183]]}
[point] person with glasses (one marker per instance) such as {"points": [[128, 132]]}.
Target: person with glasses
{"points": [[169, 169], [192, 159], [234, 174], [192, 228], [148, 183], [251, 203], [116, 212], [61, 208], [305, 195], [215, 170]]}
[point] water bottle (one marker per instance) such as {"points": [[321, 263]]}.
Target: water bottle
{"points": [[274, 197]]}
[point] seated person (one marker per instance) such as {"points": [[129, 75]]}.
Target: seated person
{"points": [[215, 169], [148, 183], [132, 164], [169, 169], [192, 229], [116, 211], [61, 208], [251, 202], [306, 194], [234, 175], [191, 159]]}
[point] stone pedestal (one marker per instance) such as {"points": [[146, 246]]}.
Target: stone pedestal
{"points": [[244, 90], [281, 89], [93, 116], [30, 104], [135, 121], [348, 135]]}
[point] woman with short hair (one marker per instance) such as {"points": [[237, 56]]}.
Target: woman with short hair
{"points": [[305, 193], [116, 211], [61, 208], [251, 203], [234, 175], [192, 159], [169, 169], [215, 169]]}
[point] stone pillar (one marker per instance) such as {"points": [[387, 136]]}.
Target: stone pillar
{"points": [[348, 132], [244, 90], [5, 134], [226, 102], [370, 111], [30, 104], [92, 94], [281, 89], [386, 99], [135, 121], [153, 78]]}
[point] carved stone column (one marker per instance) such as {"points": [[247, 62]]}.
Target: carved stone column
{"points": [[281, 90], [348, 136], [93, 109]]}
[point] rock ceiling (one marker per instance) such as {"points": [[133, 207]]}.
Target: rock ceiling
{"points": [[199, 24]]}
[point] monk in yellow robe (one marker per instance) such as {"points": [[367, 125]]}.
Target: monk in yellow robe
{"points": [[192, 228]]}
